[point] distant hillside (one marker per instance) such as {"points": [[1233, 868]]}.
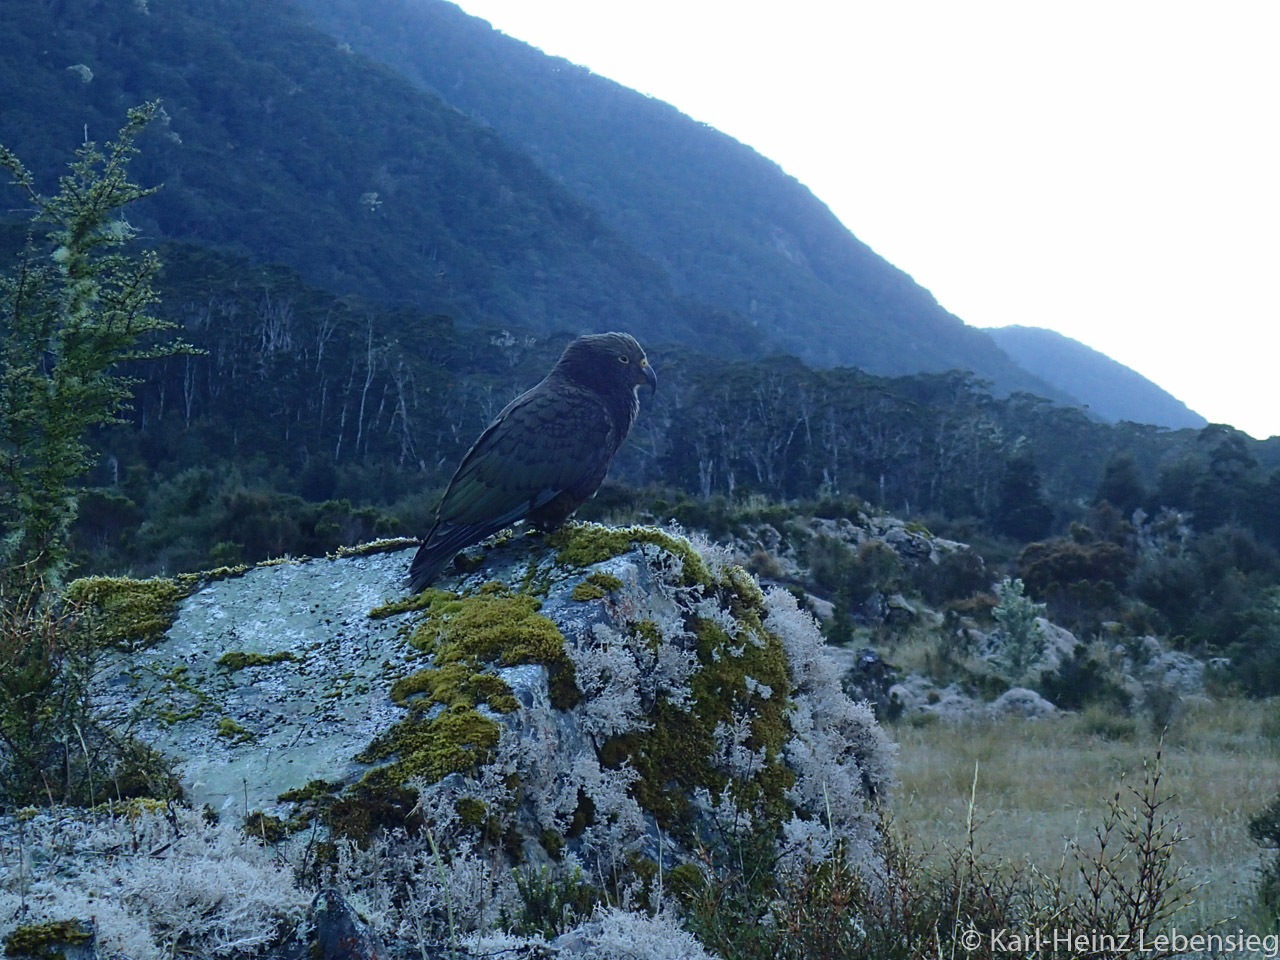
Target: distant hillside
{"points": [[278, 144], [1112, 390], [730, 227], [583, 206]]}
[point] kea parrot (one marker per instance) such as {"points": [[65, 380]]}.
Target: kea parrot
{"points": [[545, 453]]}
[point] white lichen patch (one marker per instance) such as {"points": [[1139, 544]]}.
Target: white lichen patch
{"points": [[304, 717]]}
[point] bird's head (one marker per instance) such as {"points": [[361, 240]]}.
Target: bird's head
{"points": [[608, 361]]}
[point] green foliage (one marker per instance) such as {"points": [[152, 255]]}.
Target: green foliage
{"points": [[1021, 639], [685, 195], [1264, 829], [551, 902], [1022, 512], [1254, 656], [53, 744], [957, 574], [1121, 484], [68, 319], [1083, 679], [277, 142], [1082, 582]]}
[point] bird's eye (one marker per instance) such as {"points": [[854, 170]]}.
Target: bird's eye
{"points": [[623, 358]]}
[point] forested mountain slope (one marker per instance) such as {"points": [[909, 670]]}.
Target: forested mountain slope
{"points": [[279, 144], [728, 225], [1114, 391]]}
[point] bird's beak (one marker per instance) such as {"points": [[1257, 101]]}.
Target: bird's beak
{"points": [[650, 377]]}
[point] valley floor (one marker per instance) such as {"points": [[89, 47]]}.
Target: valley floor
{"points": [[1043, 783]]}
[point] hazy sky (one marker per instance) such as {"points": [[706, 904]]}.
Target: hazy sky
{"points": [[1106, 169]]}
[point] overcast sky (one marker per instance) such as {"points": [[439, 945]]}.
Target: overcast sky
{"points": [[1105, 169]]}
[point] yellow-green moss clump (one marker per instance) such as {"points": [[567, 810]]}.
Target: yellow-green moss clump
{"points": [[584, 544], [596, 586], [264, 827], [466, 638], [228, 729], [47, 941], [674, 755], [234, 660], [385, 545], [130, 614], [133, 614]]}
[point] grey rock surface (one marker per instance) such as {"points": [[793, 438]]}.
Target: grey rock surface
{"points": [[244, 736]]}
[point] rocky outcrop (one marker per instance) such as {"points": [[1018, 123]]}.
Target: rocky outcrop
{"points": [[782, 551], [598, 704]]}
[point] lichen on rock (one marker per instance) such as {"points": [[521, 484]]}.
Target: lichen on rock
{"points": [[593, 703]]}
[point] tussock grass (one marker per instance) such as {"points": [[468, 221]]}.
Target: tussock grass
{"points": [[1043, 783]]}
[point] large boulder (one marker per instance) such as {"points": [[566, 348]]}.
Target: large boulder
{"points": [[597, 704]]}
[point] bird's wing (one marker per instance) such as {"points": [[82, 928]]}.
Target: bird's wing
{"points": [[547, 441]]}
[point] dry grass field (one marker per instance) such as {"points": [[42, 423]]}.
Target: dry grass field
{"points": [[1043, 783]]}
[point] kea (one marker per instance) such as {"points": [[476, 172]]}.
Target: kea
{"points": [[545, 453]]}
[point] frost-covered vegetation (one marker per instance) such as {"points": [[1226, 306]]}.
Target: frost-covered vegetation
{"points": [[158, 880]]}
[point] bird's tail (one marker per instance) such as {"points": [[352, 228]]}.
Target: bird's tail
{"points": [[426, 566], [440, 546]]}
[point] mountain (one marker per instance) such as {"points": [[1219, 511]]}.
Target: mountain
{"points": [[278, 144], [727, 224], [538, 195], [1111, 390]]}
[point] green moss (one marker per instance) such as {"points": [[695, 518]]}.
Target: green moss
{"points": [[264, 827], [314, 790], [367, 808], [455, 739], [191, 581], [472, 812], [674, 755], [553, 842], [130, 614], [585, 591], [652, 635], [596, 586], [537, 579], [228, 729], [490, 627], [42, 941], [385, 545], [419, 601], [685, 882], [452, 684], [183, 700], [585, 544], [235, 660], [466, 638]]}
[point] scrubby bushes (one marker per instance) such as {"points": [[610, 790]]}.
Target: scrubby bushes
{"points": [[1264, 828]]}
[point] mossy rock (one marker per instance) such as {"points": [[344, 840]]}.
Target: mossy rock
{"points": [[51, 940]]}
